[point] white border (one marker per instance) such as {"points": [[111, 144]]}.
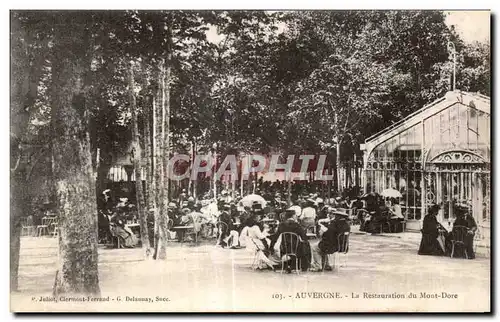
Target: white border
{"points": [[190, 4]]}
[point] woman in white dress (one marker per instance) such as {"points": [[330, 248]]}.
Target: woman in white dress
{"points": [[255, 239]]}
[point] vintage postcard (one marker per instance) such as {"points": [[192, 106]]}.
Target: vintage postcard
{"points": [[250, 161]]}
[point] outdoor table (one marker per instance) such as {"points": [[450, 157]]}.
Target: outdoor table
{"points": [[182, 228]]}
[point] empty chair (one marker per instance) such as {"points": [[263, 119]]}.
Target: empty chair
{"points": [[55, 229], [43, 229], [27, 226], [222, 230]]}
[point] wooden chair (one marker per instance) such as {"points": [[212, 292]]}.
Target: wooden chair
{"points": [[311, 232], [27, 226], [479, 237], [343, 248], [255, 257], [221, 228], [55, 230], [385, 224], [343, 242], [192, 232], [43, 229], [459, 234], [170, 224], [290, 243], [112, 229]]}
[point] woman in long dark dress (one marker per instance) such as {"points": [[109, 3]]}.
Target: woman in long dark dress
{"points": [[121, 231], [463, 219], [432, 233]]}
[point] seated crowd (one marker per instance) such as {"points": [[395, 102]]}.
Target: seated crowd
{"points": [[274, 227]]}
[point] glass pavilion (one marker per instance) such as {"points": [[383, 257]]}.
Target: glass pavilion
{"points": [[439, 154]]}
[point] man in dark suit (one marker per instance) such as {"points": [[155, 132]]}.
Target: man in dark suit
{"points": [[229, 237], [291, 225], [329, 243]]}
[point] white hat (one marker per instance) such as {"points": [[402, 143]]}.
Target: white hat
{"points": [[319, 200]]}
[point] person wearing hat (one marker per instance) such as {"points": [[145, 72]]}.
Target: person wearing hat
{"points": [[185, 220], [433, 233], [340, 203], [190, 203], [308, 216], [463, 219], [291, 225], [120, 230], [225, 196], [228, 237], [336, 225], [322, 209], [182, 196], [257, 210]]}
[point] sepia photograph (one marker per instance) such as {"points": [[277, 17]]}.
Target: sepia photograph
{"points": [[245, 161]]}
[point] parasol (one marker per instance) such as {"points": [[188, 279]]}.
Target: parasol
{"points": [[297, 209], [391, 193], [248, 201]]}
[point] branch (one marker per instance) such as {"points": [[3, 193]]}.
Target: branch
{"points": [[17, 163], [33, 164]]}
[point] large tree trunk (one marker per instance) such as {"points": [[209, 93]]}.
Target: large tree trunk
{"points": [[161, 221], [26, 70], [18, 207], [138, 168], [148, 148], [156, 174], [73, 174]]}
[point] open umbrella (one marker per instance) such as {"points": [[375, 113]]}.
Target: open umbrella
{"points": [[297, 209], [248, 201], [391, 193]]}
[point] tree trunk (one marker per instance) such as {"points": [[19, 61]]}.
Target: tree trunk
{"points": [[73, 174], [241, 177], [166, 145], [147, 156], [289, 189], [195, 181], [356, 174], [102, 175], [214, 155], [155, 171], [138, 168], [329, 184], [337, 165], [161, 252], [25, 76], [18, 207]]}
